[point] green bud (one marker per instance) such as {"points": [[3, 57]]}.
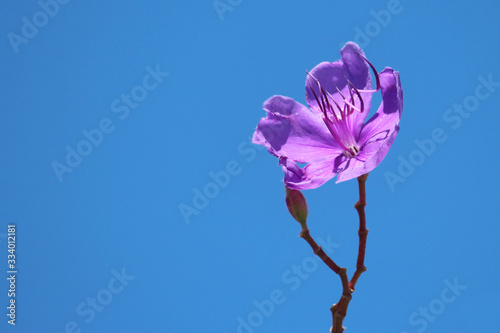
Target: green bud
{"points": [[297, 205]]}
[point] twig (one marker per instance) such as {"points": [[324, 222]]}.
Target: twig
{"points": [[319, 251], [339, 310], [362, 232]]}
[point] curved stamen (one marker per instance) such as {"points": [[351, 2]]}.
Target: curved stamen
{"points": [[340, 92], [330, 107], [337, 122], [321, 105], [351, 104], [324, 97], [352, 96], [374, 72], [327, 94], [334, 134], [344, 112], [359, 95]]}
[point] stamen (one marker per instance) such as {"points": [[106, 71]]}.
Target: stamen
{"points": [[337, 122], [374, 72], [324, 97], [359, 95], [323, 109], [350, 92], [340, 92], [334, 134], [346, 101], [336, 104]]}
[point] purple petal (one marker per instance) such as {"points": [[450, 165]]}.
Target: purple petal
{"points": [[312, 176], [333, 75], [378, 134], [292, 130]]}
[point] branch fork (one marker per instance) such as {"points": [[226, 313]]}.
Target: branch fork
{"points": [[339, 310]]}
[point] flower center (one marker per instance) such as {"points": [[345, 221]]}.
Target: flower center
{"points": [[337, 117]]}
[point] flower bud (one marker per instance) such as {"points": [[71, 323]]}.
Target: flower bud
{"points": [[297, 205]]}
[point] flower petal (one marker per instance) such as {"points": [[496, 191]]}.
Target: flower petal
{"points": [[333, 75], [378, 134], [312, 176], [292, 130]]}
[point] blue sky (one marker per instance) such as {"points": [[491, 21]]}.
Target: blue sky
{"points": [[117, 115]]}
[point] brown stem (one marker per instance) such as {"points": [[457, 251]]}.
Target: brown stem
{"points": [[339, 310], [362, 232], [319, 251]]}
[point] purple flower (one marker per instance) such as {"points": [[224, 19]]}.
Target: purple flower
{"points": [[331, 136]]}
